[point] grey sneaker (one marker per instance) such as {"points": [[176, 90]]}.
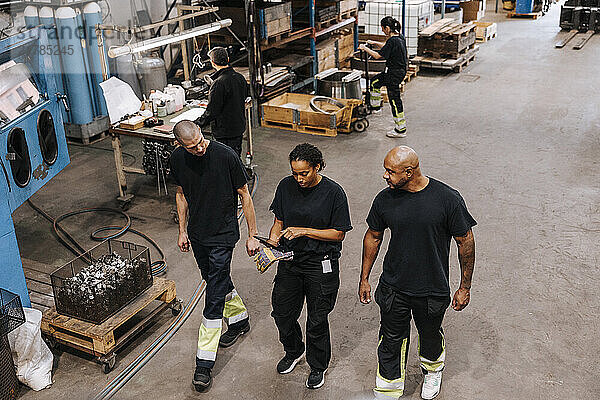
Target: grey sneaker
{"points": [[432, 382], [396, 134]]}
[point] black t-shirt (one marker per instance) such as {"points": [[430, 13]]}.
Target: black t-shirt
{"points": [[394, 52], [323, 206], [422, 225], [226, 110], [210, 184]]}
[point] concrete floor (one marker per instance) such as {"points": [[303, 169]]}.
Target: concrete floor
{"points": [[516, 133]]}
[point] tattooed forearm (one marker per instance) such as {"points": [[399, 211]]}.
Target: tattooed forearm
{"points": [[466, 257]]}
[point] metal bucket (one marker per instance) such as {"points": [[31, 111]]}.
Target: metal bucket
{"points": [[339, 84]]}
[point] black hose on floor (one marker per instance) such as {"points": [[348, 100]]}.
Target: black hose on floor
{"points": [[158, 267]]}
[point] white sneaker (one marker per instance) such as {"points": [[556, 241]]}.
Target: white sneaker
{"points": [[432, 382], [395, 134]]}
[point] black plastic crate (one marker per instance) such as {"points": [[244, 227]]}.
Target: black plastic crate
{"points": [[11, 312], [99, 283], [9, 384]]}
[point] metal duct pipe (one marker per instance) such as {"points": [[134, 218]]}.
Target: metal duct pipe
{"points": [[153, 43]]}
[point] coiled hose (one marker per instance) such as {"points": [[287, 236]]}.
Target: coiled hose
{"points": [[158, 267]]}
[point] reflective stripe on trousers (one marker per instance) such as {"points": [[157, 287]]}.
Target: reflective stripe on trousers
{"points": [[235, 310], [208, 339], [437, 365], [386, 389], [376, 98], [399, 119]]}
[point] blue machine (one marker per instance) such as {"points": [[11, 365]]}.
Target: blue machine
{"points": [[524, 6], [33, 147]]}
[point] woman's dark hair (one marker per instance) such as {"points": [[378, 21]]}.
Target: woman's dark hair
{"points": [[309, 153], [391, 23]]}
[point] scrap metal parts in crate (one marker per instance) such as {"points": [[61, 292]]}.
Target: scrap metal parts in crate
{"points": [[99, 298], [293, 111]]}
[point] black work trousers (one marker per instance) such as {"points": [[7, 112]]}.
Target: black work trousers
{"points": [[235, 143], [293, 283], [427, 312]]}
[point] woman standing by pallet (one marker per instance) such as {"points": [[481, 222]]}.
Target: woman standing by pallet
{"points": [[396, 62]]}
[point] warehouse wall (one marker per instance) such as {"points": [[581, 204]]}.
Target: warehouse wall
{"points": [[121, 10]]}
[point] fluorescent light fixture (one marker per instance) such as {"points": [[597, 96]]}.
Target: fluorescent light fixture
{"points": [[117, 51]]}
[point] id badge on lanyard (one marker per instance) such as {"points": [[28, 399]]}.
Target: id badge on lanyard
{"points": [[326, 263]]}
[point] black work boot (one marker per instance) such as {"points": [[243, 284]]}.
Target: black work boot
{"points": [[316, 379], [231, 336], [202, 378]]}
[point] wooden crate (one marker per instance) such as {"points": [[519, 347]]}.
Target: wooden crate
{"points": [[103, 339], [448, 41], [486, 31], [292, 111], [275, 20]]}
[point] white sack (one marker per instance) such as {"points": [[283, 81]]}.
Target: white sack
{"points": [[31, 355]]}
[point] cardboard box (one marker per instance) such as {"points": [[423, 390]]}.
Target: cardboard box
{"points": [[472, 10]]}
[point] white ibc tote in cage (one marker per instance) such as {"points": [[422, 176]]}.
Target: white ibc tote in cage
{"points": [[419, 14]]}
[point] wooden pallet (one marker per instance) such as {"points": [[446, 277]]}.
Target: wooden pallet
{"points": [[326, 24], [445, 54], [533, 15], [289, 126], [275, 38], [455, 65], [348, 14], [412, 72], [487, 38], [486, 31], [87, 140], [103, 340]]}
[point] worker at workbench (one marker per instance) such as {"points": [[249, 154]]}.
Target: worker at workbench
{"points": [[396, 61], [209, 178], [226, 111]]}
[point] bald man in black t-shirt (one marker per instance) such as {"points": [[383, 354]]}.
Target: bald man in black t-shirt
{"points": [[209, 177], [423, 215]]}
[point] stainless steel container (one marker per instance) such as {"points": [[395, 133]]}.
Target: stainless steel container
{"points": [[339, 84], [152, 74]]}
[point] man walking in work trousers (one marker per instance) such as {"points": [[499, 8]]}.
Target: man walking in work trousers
{"points": [[210, 177], [226, 112], [423, 214]]}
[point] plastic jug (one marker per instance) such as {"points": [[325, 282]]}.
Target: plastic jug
{"points": [[178, 93]]}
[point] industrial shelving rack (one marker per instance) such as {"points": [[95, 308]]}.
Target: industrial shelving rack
{"points": [[312, 34]]}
